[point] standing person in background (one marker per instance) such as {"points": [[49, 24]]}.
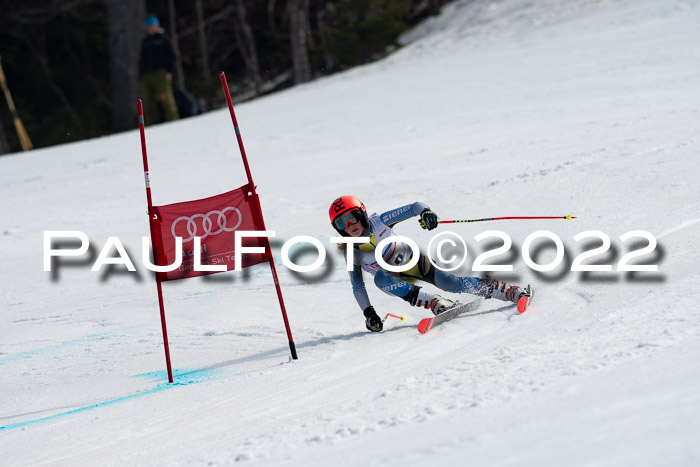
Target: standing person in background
{"points": [[156, 65]]}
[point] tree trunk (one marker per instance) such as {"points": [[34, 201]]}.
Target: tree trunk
{"points": [[328, 59], [180, 75], [299, 30], [271, 16], [203, 52], [39, 50], [4, 143], [246, 41], [124, 18]]}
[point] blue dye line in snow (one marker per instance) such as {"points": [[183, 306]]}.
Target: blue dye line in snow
{"points": [[58, 345], [183, 377], [180, 378]]}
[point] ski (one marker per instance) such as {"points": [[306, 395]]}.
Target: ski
{"points": [[524, 302], [427, 324]]}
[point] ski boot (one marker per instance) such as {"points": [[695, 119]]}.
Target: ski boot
{"points": [[434, 303], [439, 304], [520, 296]]}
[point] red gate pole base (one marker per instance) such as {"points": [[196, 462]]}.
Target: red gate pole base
{"points": [[292, 347], [165, 331]]}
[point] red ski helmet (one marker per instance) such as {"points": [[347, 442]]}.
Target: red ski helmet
{"points": [[347, 209]]}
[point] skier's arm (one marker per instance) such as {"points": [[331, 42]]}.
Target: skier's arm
{"points": [[169, 56], [358, 288], [428, 219], [141, 60], [393, 217], [372, 320]]}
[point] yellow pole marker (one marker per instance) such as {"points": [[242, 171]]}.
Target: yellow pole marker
{"points": [[400, 318]]}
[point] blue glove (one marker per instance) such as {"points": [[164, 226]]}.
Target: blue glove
{"points": [[428, 219]]}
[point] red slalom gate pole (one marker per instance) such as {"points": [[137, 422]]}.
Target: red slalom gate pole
{"points": [[569, 217], [256, 200], [161, 304]]}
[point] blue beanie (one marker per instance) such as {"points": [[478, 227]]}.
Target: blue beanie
{"points": [[151, 21]]}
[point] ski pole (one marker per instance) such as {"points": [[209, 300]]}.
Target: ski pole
{"points": [[568, 217], [400, 318]]}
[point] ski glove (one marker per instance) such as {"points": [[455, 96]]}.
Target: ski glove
{"points": [[428, 219], [372, 321]]}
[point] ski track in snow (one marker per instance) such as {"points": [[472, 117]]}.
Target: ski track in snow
{"points": [[511, 108]]}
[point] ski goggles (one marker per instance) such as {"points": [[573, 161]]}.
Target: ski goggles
{"points": [[348, 218]]}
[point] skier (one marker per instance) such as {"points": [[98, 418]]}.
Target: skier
{"points": [[349, 218]]}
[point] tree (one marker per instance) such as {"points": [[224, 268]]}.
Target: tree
{"points": [[4, 144], [361, 30], [180, 74], [73, 64], [202, 35], [298, 33], [246, 41], [124, 22]]}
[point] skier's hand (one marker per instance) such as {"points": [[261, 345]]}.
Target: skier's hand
{"points": [[374, 323], [428, 219], [372, 320]]}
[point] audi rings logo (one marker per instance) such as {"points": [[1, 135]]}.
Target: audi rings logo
{"points": [[207, 226]]}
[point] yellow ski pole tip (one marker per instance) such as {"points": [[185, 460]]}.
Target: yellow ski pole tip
{"points": [[568, 217], [403, 318]]}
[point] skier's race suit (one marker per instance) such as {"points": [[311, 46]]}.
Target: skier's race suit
{"points": [[396, 254]]}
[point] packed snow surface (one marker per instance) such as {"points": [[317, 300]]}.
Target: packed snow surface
{"points": [[494, 108]]}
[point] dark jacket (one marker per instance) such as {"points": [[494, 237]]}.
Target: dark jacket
{"points": [[156, 54]]}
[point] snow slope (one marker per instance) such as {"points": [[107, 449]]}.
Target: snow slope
{"points": [[495, 108]]}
